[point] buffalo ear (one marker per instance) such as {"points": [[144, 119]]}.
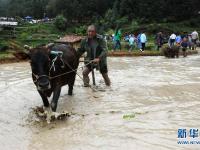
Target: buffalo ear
{"points": [[49, 47], [27, 47]]}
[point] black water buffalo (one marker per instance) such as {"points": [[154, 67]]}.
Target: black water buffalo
{"points": [[53, 68], [171, 52]]}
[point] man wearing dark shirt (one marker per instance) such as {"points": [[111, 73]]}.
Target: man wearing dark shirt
{"points": [[96, 48]]}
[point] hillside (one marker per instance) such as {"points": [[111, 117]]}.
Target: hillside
{"points": [[43, 33]]}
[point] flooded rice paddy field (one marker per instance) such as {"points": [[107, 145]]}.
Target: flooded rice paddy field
{"points": [[149, 100]]}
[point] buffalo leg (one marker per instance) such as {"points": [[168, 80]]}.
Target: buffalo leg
{"points": [[71, 84], [56, 95], [44, 99]]}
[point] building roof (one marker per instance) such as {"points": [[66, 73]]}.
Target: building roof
{"points": [[8, 23], [70, 39]]}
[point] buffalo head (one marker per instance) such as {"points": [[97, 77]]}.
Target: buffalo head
{"points": [[40, 64]]}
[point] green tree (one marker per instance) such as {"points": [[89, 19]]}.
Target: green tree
{"points": [[61, 22]]}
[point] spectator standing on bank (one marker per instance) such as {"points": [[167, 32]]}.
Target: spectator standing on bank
{"points": [[117, 38], [159, 40], [184, 45], [190, 41], [131, 42], [172, 39], [139, 45], [178, 40], [143, 40], [195, 38]]}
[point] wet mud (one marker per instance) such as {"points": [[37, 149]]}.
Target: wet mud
{"points": [[149, 100]]}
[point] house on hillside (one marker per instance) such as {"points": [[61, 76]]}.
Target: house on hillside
{"points": [[7, 27], [73, 40]]}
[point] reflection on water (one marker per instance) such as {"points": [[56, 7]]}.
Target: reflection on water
{"points": [[161, 94]]}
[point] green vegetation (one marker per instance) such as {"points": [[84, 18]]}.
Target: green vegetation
{"points": [[37, 34], [131, 15], [32, 35], [61, 22], [167, 28], [129, 116], [5, 55], [108, 14]]}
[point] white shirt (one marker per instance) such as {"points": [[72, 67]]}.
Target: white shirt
{"points": [[173, 36], [195, 35], [131, 40], [143, 38]]}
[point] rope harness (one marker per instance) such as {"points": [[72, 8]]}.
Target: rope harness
{"points": [[59, 55]]}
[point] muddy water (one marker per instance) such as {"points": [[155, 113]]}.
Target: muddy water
{"points": [[161, 95]]}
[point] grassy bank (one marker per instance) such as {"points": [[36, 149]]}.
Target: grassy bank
{"points": [[136, 53], [37, 34], [4, 55]]}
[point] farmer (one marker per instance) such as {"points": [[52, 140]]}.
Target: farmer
{"points": [[95, 46]]}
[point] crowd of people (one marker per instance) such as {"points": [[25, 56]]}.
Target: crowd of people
{"points": [[184, 41], [138, 41]]}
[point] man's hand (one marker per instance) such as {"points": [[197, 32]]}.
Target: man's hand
{"points": [[96, 60]]}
